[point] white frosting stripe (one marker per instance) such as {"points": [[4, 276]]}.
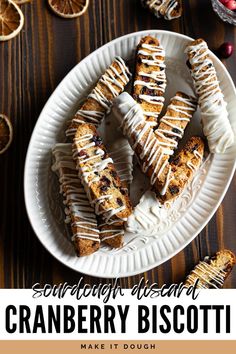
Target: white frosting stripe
{"points": [[214, 115]]}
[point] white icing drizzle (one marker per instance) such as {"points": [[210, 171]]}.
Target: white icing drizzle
{"points": [[111, 79], [208, 276], [214, 115], [155, 58], [163, 8], [194, 167], [169, 177], [75, 198], [90, 174]]}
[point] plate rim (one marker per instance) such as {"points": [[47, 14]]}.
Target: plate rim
{"points": [[27, 194]]}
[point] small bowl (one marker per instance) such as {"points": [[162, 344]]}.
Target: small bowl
{"points": [[225, 14]]}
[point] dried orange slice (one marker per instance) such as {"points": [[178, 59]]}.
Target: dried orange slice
{"points": [[6, 133], [11, 19], [69, 8]]}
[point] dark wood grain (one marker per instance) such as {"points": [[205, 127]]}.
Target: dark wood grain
{"points": [[31, 66]]}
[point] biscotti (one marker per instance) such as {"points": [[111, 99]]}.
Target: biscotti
{"points": [[169, 9], [152, 155], [150, 78], [141, 136], [79, 214], [99, 101], [213, 271], [173, 124], [122, 155], [183, 168], [214, 115], [98, 175]]}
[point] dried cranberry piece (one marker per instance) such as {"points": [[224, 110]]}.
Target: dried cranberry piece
{"points": [[124, 191], [174, 190], [149, 92], [104, 188], [105, 180], [175, 160], [176, 130], [97, 140], [119, 201], [145, 78], [113, 173], [82, 153]]}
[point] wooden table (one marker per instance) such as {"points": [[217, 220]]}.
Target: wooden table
{"points": [[31, 66]]}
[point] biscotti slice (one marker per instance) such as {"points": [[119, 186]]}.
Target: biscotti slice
{"points": [[122, 155], [99, 101], [214, 115], [183, 168], [112, 234], [151, 155], [169, 9], [172, 125], [150, 78], [79, 214], [98, 175], [213, 271]]}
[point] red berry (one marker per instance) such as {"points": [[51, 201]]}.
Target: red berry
{"points": [[224, 2], [226, 50], [231, 5]]}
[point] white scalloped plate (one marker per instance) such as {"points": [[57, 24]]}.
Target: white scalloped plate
{"points": [[196, 209]]}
